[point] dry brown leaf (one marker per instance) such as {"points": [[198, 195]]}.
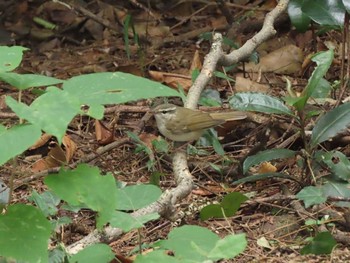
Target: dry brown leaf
{"points": [[172, 80], [70, 147], [286, 60], [218, 22], [196, 62], [103, 134], [247, 85], [266, 167], [269, 4], [3, 104], [147, 139], [55, 158], [56, 155], [44, 138]]}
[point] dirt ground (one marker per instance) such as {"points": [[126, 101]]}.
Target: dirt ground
{"points": [[169, 44]]}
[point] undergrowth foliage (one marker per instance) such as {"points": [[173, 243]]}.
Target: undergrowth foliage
{"points": [[85, 187], [25, 230]]}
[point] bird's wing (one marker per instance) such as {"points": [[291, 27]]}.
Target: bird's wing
{"points": [[197, 121]]}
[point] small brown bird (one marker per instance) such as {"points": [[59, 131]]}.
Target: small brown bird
{"points": [[181, 124]]}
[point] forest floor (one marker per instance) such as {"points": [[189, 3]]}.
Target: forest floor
{"points": [[168, 48]]}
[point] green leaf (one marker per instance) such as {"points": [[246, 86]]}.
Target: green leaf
{"points": [[346, 4], [25, 234], [101, 253], [93, 90], [210, 138], [51, 112], [334, 188], [57, 255], [254, 178], [185, 239], [312, 195], [210, 97], [299, 19], [114, 88], [222, 75], [265, 156], [16, 140], [126, 222], [161, 146], [323, 89], [338, 164], [323, 243], [228, 247], [325, 12], [126, 24], [25, 81], [86, 187], [11, 57], [317, 86], [331, 124], [323, 60], [228, 207], [258, 102], [137, 196], [157, 256], [46, 202]]}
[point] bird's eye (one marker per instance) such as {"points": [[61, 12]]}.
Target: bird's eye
{"points": [[164, 112]]}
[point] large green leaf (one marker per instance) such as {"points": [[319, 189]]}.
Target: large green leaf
{"points": [[101, 253], [254, 178], [226, 208], [25, 81], [323, 60], [258, 102], [299, 19], [190, 242], [51, 112], [265, 156], [228, 247], [336, 188], [312, 195], [323, 243], [86, 187], [316, 86], [137, 196], [114, 88], [331, 124], [11, 57], [24, 234], [16, 140], [325, 12], [157, 256], [338, 163], [47, 202], [346, 4], [54, 110], [126, 222]]}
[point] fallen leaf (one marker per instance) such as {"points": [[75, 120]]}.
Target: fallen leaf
{"points": [[196, 62], [266, 167], [44, 138], [286, 60], [103, 134], [69, 146], [171, 79], [247, 85], [56, 156], [147, 139]]}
